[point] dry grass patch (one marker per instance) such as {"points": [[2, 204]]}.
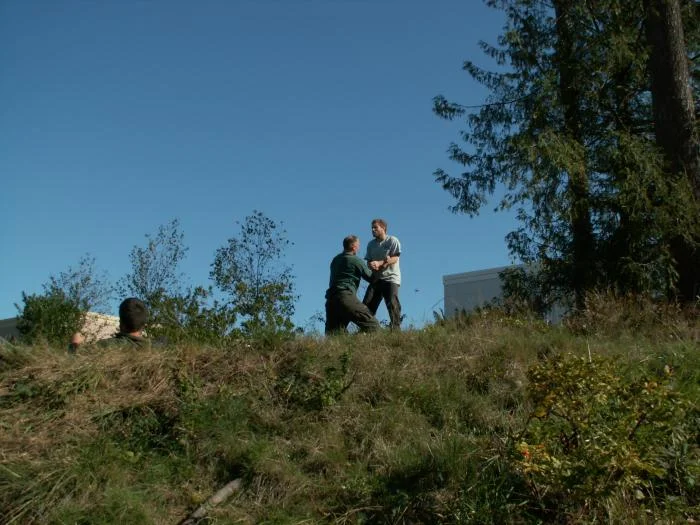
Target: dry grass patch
{"points": [[411, 427]]}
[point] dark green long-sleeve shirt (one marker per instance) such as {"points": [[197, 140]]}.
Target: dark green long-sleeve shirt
{"points": [[346, 271]]}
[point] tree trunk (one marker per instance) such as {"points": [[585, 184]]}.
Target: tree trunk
{"points": [[581, 229], [674, 121]]}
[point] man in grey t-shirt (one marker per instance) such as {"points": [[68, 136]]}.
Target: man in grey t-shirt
{"points": [[382, 257]]}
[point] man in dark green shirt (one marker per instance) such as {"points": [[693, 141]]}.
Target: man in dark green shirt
{"points": [[342, 304], [133, 316]]}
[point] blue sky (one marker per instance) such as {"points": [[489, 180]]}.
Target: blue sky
{"points": [[116, 117]]}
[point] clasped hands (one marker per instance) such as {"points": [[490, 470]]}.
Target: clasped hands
{"points": [[378, 265]]}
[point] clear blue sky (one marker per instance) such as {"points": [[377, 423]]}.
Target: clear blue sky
{"points": [[116, 117]]}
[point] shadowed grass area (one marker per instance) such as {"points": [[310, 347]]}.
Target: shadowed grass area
{"points": [[438, 425]]}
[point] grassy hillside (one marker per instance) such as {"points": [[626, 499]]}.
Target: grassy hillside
{"points": [[491, 419]]}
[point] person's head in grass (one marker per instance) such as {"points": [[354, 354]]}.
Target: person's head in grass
{"points": [[133, 316]]}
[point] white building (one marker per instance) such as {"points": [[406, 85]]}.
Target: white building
{"points": [[463, 292], [469, 290]]}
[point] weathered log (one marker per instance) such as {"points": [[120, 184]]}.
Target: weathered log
{"points": [[217, 498]]}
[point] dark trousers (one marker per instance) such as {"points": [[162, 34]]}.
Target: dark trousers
{"points": [[379, 290], [344, 307]]}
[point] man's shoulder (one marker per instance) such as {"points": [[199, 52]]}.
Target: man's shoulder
{"points": [[392, 242], [354, 259], [342, 256]]}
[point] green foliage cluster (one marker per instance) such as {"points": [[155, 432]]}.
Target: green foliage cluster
{"points": [[50, 317], [258, 291], [312, 390], [192, 316], [597, 431], [54, 315], [154, 267], [248, 269], [258, 295], [489, 418], [569, 132]]}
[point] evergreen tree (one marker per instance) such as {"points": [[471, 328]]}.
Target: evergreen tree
{"points": [[675, 126], [566, 130]]}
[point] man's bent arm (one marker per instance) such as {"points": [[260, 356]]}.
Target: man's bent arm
{"points": [[365, 272]]}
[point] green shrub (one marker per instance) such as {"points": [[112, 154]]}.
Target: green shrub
{"points": [[51, 318], [315, 391], [596, 434]]}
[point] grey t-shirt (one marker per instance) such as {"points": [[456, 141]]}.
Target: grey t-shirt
{"points": [[377, 251]]}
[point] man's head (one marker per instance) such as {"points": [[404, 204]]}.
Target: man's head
{"points": [[133, 316], [351, 243], [379, 229]]}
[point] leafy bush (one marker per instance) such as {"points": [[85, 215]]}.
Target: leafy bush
{"points": [[51, 317], [316, 391], [249, 269], [595, 434], [190, 317], [60, 310]]}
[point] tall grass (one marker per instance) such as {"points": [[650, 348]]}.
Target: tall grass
{"points": [[424, 426]]}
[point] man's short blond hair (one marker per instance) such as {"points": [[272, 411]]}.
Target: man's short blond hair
{"points": [[349, 241]]}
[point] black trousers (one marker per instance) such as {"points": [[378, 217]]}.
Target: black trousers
{"points": [[379, 290], [344, 307]]}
